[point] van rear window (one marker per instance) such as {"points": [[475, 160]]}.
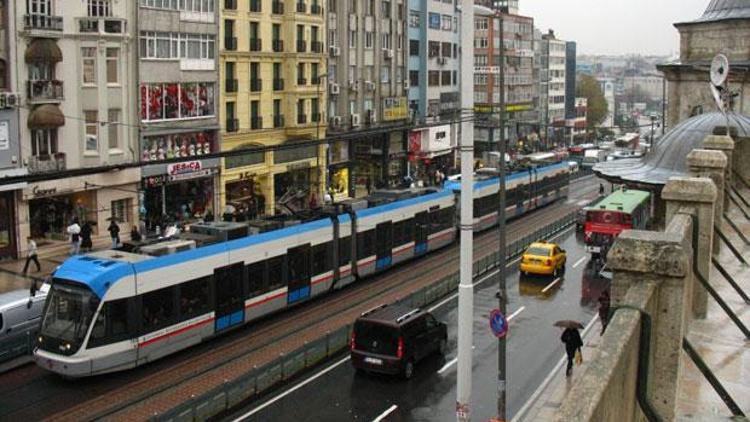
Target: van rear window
{"points": [[376, 338]]}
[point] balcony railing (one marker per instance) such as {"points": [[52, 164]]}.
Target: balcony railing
{"points": [[316, 9], [301, 81], [301, 46], [301, 119], [316, 46], [278, 84], [256, 44], [277, 8], [233, 125], [278, 121], [44, 22], [47, 163], [301, 7], [45, 90], [277, 45], [255, 6], [256, 122], [230, 43], [101, 25], [232, 85], [256, 85]]}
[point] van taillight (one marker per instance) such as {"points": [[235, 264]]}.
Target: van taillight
{"points": [[354, 341], [400, 350]]}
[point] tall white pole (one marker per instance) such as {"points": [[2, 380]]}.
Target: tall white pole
{"points": [[466, 142]]}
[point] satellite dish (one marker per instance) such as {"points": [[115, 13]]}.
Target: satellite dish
{"points": [[719, 70]]}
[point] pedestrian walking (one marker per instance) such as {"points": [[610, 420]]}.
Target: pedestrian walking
{"points": [[604, 302], [573, 343], [31, 255], [74, 230], [601, 189], [86, 244], [114, 233]]}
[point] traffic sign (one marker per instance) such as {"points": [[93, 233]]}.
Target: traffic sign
{"points": [[498, 323]]}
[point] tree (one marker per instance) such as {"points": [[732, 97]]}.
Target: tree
{"points": [[588, 87]]}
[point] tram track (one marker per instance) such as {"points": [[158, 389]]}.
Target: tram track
{"points": [[118, 396]]}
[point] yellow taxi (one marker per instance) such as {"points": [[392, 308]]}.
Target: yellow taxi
{"points": [[543, 258]]}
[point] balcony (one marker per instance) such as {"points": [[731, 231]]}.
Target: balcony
{"points": [[230, 43], [301, 46], [230, 4], [233, 125], [316, 46], [301, 81], [255, 6], [232, 85], [256, 44], [43, 22], [44, 91], [278, 121], [316, 9], [256, 85], [256, 122], [108, 26], [301, 8], [277, 8], [278, 84], [47, 163], [277, 45], [301, 119]]}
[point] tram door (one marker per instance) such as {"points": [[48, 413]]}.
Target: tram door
{"points": [[383, 245], [230, 308], [299, 273], [421, 231]]}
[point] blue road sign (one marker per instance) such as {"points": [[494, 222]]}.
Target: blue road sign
{"points": [[498, 323]]}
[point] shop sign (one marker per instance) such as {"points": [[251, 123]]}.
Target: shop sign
{"points": [[38, 192], [183, 168], [192, 175], [492, 108], [438, 140], [487, 70], [395, 108]]}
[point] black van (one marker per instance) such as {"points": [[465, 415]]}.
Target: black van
{"points": [[392, 338]]}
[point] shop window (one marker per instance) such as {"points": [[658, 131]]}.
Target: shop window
{"points": [[111, 324], [256, 279], [158, 309], [177, 101], [177, 145], [122, 210], [276, 273], [194, 297], [321, 258]]}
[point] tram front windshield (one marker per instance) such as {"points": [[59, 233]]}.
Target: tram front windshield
{"points": [[68, 313]]}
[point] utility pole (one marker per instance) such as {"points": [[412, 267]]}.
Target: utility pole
{"points": [[502, 302], [466, 286]]}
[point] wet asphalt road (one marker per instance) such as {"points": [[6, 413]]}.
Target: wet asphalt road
{"points": [[337, 393]]}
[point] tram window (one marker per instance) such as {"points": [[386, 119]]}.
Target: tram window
{"points": [[408, 233], [158, 309], [321, 258], [299, 263], [111, 324], [401, 232], [365, 244], [275, 272], [345, 250], [194, 298], [256, 278]]}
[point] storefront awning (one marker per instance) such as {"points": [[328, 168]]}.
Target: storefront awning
{"points": [[47, 116], [43, 50]]}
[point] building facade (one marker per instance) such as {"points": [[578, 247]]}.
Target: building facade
{"points": [[74, 115], [273, 64], [575, 127], [433, 86], [570, 80], [367, 107], [552, 54], [651, 85]]}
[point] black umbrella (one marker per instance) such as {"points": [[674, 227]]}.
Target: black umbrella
{"points": [[566, 323]]}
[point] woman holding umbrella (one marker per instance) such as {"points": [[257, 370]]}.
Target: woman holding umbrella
{"points": [[572, 339]]}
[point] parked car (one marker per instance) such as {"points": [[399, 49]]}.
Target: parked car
{"points": [[543, 258], [391, 339], [20, 312]]}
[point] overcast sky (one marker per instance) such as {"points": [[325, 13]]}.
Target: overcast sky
{"points": [[615, 26]]}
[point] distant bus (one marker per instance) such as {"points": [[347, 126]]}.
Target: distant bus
{"points": [[605, 220], [543, 158], [628, 140], [577, 152]]}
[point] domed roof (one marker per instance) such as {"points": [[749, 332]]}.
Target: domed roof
{"points": [[719, 10], [668, 157]]}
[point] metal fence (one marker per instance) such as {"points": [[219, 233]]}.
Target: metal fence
{"points": [[261, 379]]}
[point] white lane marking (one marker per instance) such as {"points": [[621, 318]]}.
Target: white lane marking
{"points": [[521, 414], [583, 259], [549, 286], [291, 390], [385, 414], [515, 314]]}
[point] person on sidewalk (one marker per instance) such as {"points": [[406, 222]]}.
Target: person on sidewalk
{"points": [[114, 233], [601, 189], [74, 230], [31, 255], [604, 302], [86, 244], [573, 343]]}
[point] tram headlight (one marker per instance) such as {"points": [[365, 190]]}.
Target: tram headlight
{"points": [[40, 339], [67, 346]]}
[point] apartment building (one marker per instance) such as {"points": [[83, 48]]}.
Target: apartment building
{"points": [[272, 62], [367, 106], [550, 53], [69, 63]]}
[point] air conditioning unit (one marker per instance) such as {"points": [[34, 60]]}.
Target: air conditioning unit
{"points": [[369, 86], [442, 60], [387, 53], [355, 120], [335, 89], [336, 121], [9, 100], [372, 116], [335, 51], [406, 85], [353, 85]]}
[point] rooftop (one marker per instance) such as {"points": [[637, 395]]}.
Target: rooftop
{"points": [[721, 10]]}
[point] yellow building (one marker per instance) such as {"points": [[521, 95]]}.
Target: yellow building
{"points": [[272, 55]]}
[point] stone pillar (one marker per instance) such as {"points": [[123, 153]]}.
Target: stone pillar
{"points": [[663, 261], [713, 165], [697, 197], [725, 144], [741, 159]]}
